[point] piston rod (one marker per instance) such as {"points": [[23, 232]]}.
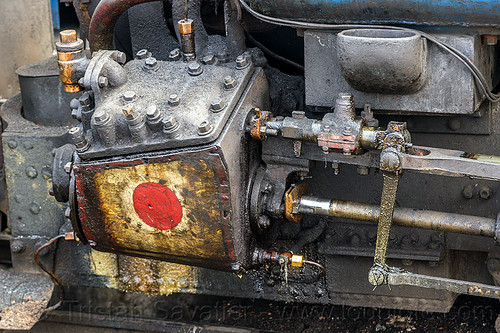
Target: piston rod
{"points": [[405, 217]]}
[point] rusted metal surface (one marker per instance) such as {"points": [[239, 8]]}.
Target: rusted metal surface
{"points": [[406, 217], [23, 299], [71, 59], [292, 196], [104, 18], [400, 277], [115, 217]]}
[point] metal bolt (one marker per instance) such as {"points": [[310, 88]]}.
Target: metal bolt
{"points": [[74, 103], [150, 62], [12, 144], [376, 277], [130, 112], [194, 68], [347, 130], [35, 208], [28, 145], [325, 149], [174, 100], [85, 99], [17, 246], [101, 117], [204, 128], [31, 172], [209, 59], [174, 55], [80, 142], [242, 62], [468, 192], [223, 57], [152, 112], [67, 167], [170, 125], [229, 82], [454, 123], [363, 170], [143, 54], [129, 96], [336, 168], [103, 81], [120, 57], [264, 222], [490, 40], [217, 105], [67, 212], [485, 192]]}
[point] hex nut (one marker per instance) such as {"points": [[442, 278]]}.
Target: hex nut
{"points": [[174, 100], [204, 128], [17, 246], [242, 62], [217, 105], [103, 81], [209, 59], [129, 96], [194, 68], [174, 55], [120, 57], [100, 117], [150, 63], [484, 192], [67, 167], [143, 54], [170, 125], [85, 99], [229, 83], [468, 192]]}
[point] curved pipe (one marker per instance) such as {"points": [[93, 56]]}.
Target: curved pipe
{"points": [[103, 21]]}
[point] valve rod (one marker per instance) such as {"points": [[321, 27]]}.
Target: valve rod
{"points": [[405, 217]]}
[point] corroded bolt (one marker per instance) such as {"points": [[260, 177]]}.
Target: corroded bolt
{"points": [[174, 55], [242, 62], [78, 138], [347, 130], [204, 128], [194, 68], [229, 82], [485, 192], [17, 246], [150, 62], [209, 59], [143, 54], [129, 96], [130, 112], [174, 100], [120, 57], [68, 36], [363, 170], [67, 167], [85, 99], [31, 172], [74, 103], [152, 112], [468, 192], [101, 117], [12, 144], [103, 81], [170, 125], [35, 208], [217, 105]]}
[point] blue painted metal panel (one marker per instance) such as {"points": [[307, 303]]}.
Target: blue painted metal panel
{"points": [[54, 6], [478, 13]]}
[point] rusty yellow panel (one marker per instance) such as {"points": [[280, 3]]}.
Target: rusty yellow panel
{"points": [[115, 218]]}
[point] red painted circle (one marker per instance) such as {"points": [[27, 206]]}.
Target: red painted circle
{"points": [[157, 205]]}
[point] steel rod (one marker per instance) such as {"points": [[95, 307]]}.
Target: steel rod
{"points": [[406, 217]]}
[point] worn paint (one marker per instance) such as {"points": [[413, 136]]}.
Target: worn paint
{"points": [[143, 275], [110, 222]]}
